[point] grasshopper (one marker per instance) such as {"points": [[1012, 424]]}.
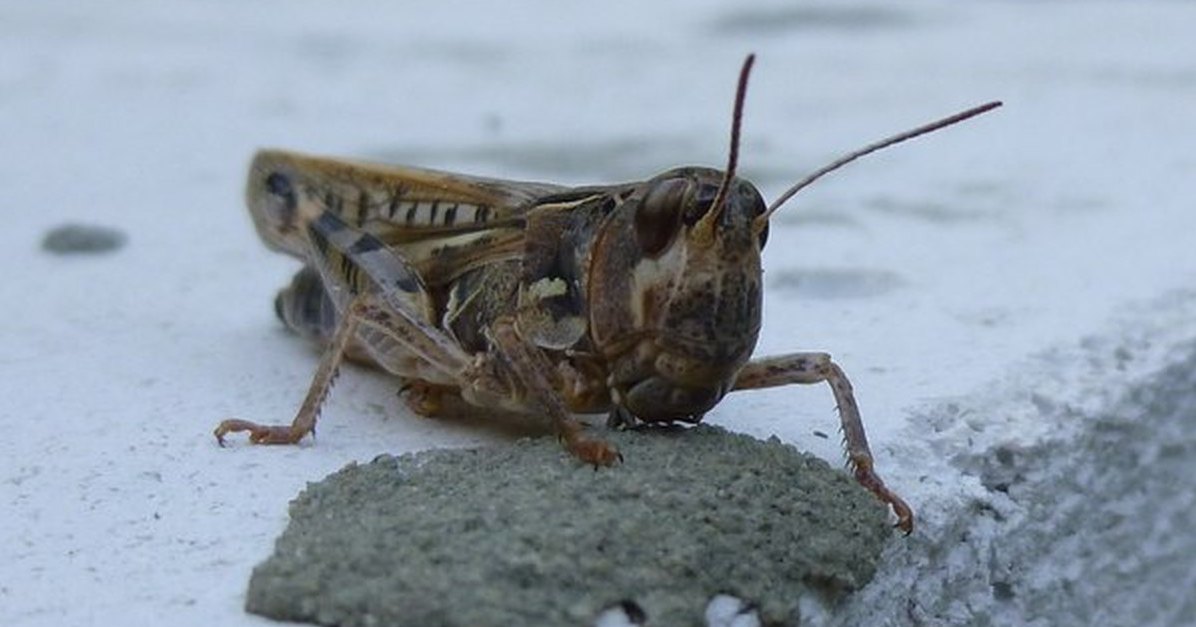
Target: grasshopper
{"points": [[639, 299]]}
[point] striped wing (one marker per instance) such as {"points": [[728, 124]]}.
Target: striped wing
{"points": [[442, 223], [398, 202]]}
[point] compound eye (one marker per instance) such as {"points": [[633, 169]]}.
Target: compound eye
{"points": [[700, 203], [658, 217], [750, 196]]}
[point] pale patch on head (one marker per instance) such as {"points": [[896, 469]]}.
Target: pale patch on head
{"points": [[547, 288], [653, 282]]}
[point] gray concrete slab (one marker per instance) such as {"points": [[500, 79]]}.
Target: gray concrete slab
{"points": [[525, 535]]}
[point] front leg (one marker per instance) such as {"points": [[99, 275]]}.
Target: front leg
{"points": [[817, 368], [533, 370]]}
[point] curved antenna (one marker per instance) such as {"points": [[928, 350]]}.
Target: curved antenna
{"points": [[706, 224], [762, 219]]}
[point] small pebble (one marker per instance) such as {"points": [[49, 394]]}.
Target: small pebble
{"points": [[72, 239]]}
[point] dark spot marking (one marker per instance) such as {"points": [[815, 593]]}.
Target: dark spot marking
{"points": [[435, 209], [450, 215], [363, 206], [318, 240], [407, 283], [564, 306], [351, 272], [411, 213], [334, 202], [279, 185], [365, 244], [328, 222], [393, 207]]}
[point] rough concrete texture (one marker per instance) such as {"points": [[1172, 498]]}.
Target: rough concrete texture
{"points": [[1082, 509], [1117, 509], [523, 535]]}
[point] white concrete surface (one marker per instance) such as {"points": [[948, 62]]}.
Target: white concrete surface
{"points": [[997, 287]]}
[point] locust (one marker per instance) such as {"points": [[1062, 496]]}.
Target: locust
{"points": [[641, 300]]}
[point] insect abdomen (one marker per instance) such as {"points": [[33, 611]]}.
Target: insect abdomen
{"points": [[305, 307]]}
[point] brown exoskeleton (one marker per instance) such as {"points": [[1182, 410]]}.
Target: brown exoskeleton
{"points": [[641, 299]]}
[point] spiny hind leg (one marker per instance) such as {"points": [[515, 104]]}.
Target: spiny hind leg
{"points": [[817, 368], [390, 298], [362, 314], [305, 419]]}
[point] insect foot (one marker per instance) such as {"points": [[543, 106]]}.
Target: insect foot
{"points": [[261, 434], [424, 398], [595, 452], [862, 469]]}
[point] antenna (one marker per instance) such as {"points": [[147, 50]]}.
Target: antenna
{"points": [[762, 219], [720, 198]]}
